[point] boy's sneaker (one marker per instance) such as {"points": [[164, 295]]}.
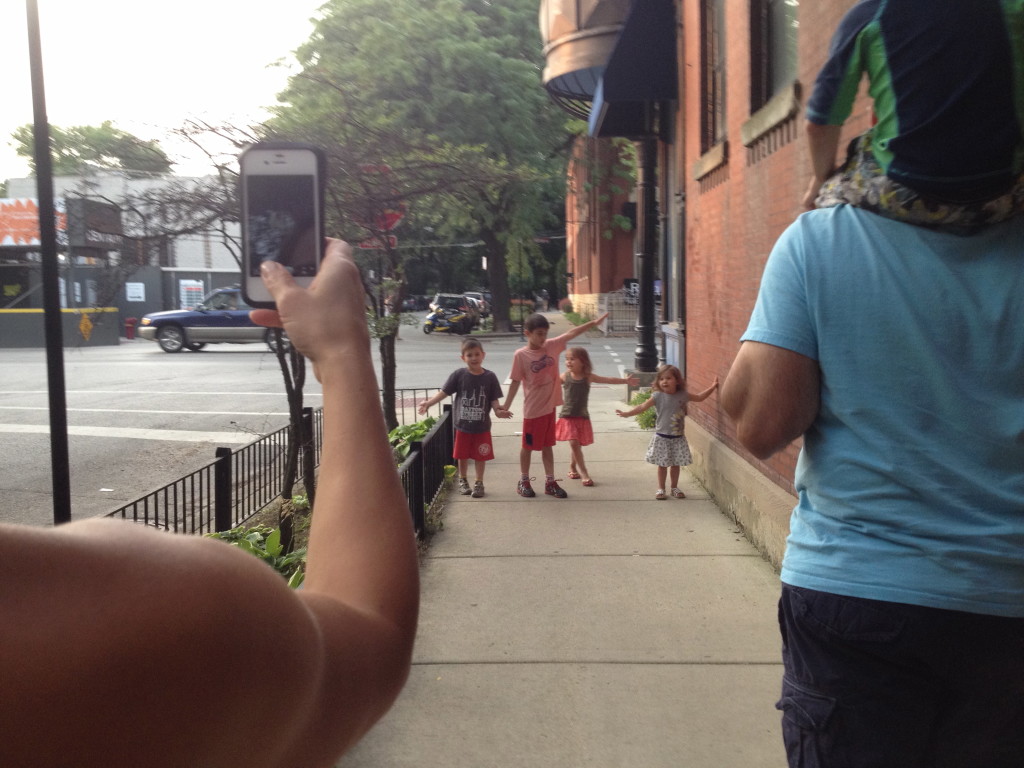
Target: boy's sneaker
{"points": [[464, 486], [525, 489], [478, 489], [551, 488]]}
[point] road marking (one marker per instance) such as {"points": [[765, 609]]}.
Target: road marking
{"points": [[169, 435], [133, 410]]}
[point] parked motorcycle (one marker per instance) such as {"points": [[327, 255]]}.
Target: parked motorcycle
{"points": [[450, 320]]}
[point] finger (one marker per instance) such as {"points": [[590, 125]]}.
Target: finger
{"points": [[266, 317]]}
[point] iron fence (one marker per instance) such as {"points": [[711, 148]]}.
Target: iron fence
{"points": [[239, 484]]}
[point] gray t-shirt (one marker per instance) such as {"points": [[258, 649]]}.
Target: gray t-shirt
{"points": [[670, 409], [474, 394]]}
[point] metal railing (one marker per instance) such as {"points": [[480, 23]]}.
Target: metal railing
{"points": [[239, 484]]}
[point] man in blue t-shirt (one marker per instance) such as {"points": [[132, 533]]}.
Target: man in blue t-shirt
{"points": [[895, 352]]}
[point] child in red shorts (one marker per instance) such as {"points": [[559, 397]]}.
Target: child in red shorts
{"points": [[476, 392], [535, 366]]}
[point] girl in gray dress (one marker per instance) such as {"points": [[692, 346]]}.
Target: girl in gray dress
{"points": [[669, 449]]}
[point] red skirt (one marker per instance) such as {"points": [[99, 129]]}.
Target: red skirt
{"points": [[569, 428]]}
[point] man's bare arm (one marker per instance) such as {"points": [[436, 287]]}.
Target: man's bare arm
{"points": [[772, 395]]}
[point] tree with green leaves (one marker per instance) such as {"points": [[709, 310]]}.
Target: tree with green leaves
{"points": [[79, 149]]}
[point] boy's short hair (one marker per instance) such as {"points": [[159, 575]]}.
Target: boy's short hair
{"points": [[535, 321], [468, 344]]}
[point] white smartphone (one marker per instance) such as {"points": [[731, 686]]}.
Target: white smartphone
{"points": [[282, 213]]}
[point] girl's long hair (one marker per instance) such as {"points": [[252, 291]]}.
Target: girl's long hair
{"points": [[680, 381], [583, 356]]}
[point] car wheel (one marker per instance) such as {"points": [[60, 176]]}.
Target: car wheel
{"points": [[271, 338], [195, 346], [171, 338]]}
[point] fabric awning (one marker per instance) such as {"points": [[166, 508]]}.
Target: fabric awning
{"points": [[641, 72]]}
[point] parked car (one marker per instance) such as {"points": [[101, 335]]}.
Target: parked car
{"points": [[221, 317], [461, 302], [482, 303]]}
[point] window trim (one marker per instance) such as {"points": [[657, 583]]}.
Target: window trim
{"points": [[781, 107]]}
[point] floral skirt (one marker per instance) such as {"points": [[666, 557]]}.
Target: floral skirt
{"points": [[574, 428], [668, 451], [862, 182]]}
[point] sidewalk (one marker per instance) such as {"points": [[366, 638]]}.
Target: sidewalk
{"points": [[606, 630]]}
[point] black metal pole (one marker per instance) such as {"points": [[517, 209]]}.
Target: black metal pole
{"points": [[60, 471], [646, 355]]}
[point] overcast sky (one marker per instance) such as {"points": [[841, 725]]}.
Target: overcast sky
{"points": [[148, 67]]}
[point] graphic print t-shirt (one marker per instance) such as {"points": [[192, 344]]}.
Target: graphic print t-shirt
{"points": [[537, 369], [474, 394]]}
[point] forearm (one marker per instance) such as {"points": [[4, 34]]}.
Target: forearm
{"points": [[513, 388], [361, 550]]}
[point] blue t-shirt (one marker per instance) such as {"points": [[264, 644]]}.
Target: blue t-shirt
{"points": [[947, 80], [911, 478]]}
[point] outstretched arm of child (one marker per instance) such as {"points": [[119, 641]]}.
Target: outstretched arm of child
{"points": [[648, 403], [696, 398], [432, 401], [572, 333], [631, 380]]}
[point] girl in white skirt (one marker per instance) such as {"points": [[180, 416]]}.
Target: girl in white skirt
{"points": [[669, 449]]}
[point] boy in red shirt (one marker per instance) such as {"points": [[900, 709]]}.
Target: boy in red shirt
{"points": [[535, 366]]}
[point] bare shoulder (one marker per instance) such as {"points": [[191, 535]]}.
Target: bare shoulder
{"points": [[105, 621]]}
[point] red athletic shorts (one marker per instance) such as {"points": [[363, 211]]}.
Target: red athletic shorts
{"points": [[539, 433], [473, 445]]}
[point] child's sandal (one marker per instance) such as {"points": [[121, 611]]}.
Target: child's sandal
{"points": [[574, 475], [660, 495], [588, 482], [678, 494]]}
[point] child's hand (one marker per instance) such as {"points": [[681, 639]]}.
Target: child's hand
{"points": [[633, 381], [421, 409], [623, 414], [503, 413]]}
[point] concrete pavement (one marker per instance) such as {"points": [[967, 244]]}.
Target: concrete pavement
{"points": [[605, 630]]}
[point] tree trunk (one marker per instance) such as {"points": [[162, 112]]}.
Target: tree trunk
{"points": [[387, 378], [497, 271]]}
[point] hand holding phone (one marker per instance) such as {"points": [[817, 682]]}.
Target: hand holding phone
{"points": [[282, 213]]}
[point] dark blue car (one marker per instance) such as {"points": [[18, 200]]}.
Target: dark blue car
{"points": [[221, 317]]}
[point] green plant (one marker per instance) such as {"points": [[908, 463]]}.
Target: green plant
{"points": [[300, 502], [402, 437], [646, 419], [264, 542], [565, 305]]}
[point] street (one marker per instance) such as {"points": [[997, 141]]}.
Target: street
{"points": [[139, 418]]}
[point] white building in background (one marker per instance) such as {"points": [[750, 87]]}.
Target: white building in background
{"points": [[204, 250]]}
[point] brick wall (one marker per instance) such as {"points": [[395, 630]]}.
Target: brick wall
{"points": [[737, 210]]}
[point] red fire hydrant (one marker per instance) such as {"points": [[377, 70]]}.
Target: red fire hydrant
{"points": [[129, 327]]}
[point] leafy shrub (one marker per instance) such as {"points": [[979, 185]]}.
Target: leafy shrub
{"points": [[403, 436], [565, 305], [646, 419], [265, 543]]}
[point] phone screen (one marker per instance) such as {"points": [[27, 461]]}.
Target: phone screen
{"points": [[281, 211]]}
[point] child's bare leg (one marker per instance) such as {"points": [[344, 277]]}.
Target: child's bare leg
{"points": [[662, 471], [673, 474], [577, 459], [463, 467], [480, 467], [547, 456], [525, 454]]}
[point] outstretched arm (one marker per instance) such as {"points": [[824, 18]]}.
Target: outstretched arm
{"points": [[648, 403], [90, 605], [427, 404], [513, 388], [576, 330], [631, 380], [696, 398]]}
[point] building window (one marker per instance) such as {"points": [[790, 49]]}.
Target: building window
{"points": [[712, 29], [773, 32]]}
